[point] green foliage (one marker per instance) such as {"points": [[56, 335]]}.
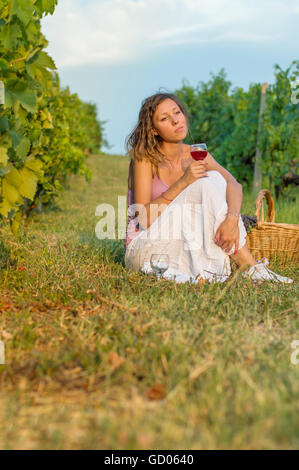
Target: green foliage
{"points": [[46, 132], [227, 119], [207, 101], [280, 130]]}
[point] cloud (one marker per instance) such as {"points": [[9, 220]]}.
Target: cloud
{"points": [[113, 31]]}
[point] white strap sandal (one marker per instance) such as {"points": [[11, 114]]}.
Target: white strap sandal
{"points": [[260, 273]]}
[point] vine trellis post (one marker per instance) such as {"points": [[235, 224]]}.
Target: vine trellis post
{"points": [[257, 177]]}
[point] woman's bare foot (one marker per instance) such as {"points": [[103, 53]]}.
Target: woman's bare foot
{"points": [[260, 272], [244, 258]]}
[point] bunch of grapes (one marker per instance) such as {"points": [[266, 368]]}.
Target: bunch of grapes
{"points": [[249, 221]]}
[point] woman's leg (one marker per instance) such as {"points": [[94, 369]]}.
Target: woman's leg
{"points": [[244, 258]]}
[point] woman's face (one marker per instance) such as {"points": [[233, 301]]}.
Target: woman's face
{"points": [[170, 122]]}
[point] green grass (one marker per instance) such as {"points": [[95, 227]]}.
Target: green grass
{"points": [[100, 357]]}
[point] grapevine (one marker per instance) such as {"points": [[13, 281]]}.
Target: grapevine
{"points": [[46, 132]]}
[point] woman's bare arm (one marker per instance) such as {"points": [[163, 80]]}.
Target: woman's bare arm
{"points": [[227, 233], [150, 210], [234, 193]]}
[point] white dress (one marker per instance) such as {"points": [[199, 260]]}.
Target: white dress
{"points": [[186, 231]]}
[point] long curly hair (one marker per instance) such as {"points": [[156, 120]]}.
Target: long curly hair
{"points": [[141, 143]]}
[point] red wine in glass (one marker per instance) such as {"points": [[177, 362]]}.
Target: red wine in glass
{"points": [[199, 154], [199, 151]]}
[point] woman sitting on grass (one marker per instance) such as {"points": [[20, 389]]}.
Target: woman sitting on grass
{"points": [[163, 178]]}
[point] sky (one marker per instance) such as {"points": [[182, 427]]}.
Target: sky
{"points": [[116, 53]]}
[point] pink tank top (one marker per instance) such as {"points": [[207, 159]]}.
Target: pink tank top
{"points": [[158, 188]]}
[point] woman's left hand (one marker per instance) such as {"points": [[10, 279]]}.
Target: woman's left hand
{"points": [[228, 234]]}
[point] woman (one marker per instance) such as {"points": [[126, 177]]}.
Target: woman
{"points": [[163, 176]]}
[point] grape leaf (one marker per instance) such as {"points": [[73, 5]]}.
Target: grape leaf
{"points": [[5, 207], [3, 65], [16, 138], [19, 90], [47, 6], [28, 186], [35, 165], [43, 59], [23, 148], [3, 156], [10, 193], [15, 177], [23, 10], [3, 124]]}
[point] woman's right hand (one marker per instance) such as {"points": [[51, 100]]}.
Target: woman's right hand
{"points": [[196, 169]]}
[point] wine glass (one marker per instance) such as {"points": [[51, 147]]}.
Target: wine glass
{"points": [[159, 263], [199, 151]]}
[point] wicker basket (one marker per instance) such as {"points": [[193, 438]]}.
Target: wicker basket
{"points": [[277, 242]]}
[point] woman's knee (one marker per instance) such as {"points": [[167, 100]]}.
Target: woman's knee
{"points": [[213, 179], [214, 174]]}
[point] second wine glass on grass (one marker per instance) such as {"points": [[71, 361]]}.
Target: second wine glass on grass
{"points": [[159, 263]]}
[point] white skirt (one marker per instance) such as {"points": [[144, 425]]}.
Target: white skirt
{"points": [[186, 231]]}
